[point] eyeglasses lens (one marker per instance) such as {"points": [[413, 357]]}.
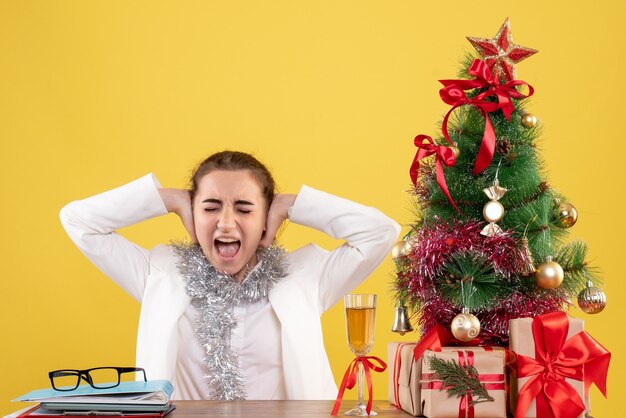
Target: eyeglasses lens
{"points": [[65, 379], [104, 377]]}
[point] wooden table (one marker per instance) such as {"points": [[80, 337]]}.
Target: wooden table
{"points": [[278, 409]]}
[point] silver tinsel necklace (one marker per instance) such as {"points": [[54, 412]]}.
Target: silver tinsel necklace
{"points": [[214, 294]]}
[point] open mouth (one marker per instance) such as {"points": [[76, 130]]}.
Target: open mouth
{"points": [[226, 247]]}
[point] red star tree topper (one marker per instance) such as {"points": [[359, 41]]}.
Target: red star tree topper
{"points": [[500, 53]]}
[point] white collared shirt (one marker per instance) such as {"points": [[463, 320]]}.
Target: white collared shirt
{"points": [[257, 341]]}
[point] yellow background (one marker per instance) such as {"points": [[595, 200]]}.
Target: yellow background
{"points": [[328, 93]]}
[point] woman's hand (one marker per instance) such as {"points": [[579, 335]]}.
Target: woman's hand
{"points": [[278, 212], [179, 202]]}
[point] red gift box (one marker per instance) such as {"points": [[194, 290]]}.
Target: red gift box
{"points": [[555, 364]]}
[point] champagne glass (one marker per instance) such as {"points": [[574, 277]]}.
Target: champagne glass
{"points": [[360, 314]]}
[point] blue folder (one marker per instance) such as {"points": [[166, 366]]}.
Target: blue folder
{"points": [[154, 392]]}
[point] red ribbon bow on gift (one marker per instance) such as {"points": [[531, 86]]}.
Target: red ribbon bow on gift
{"points": [[443, 156], [350, 379], [580, 358], [436, 338], [453, 93]]}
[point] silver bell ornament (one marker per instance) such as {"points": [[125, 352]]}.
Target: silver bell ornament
{"points": [[401, 323], [529, 264]]}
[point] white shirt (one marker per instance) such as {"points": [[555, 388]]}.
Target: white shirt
{"points": [[256, 340]]}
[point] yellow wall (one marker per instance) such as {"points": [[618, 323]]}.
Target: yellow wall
{"points": [[328, 93]]}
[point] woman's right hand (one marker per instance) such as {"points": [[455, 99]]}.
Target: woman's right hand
{"points": [[277, 214], [179, 202]]}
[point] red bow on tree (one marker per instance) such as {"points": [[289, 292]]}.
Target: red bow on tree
{"points": [[580, 358], [443, 156], [453, 93]]}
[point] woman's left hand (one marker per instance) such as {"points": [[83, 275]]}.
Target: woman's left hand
{"points": [[178, 201], [278, 212]]}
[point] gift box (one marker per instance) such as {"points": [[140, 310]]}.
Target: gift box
{"points": [[555, 363], [436, 402], [405, 374], [404, 377]]}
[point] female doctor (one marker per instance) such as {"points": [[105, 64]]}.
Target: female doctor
{"points": [[232, 315]]}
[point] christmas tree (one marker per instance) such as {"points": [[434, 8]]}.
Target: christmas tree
{"points": [[490, 240]]}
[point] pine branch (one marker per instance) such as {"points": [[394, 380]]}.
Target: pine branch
{"points": [[572, 258], [469, 280], [458, 380]]}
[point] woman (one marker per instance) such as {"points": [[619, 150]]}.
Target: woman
{"points": [[232, 316]]}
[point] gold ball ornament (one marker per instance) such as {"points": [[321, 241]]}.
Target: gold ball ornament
{"points": [[566, 215], [397, 251], [465, 326], [549, 274], [591, 300], [529, 120], [408, 245], [493, 211], [400, 249]]}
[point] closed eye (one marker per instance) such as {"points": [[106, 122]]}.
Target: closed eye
{"points": [[244, 206], [215, 202]]}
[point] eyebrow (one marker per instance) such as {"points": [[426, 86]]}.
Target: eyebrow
{"points": [[219, 202]]}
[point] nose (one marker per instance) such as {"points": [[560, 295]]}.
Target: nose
{"points": [[226, 220]]}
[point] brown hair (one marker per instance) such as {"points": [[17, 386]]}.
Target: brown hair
{"points": [[234, 161]]}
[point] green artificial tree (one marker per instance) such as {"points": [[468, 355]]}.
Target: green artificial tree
{"points": [[489, 243]]}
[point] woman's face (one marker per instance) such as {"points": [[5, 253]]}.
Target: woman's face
{"points": [[229, 213]]}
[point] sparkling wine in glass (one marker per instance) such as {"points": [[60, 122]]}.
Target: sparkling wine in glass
{"points": [[360, 315]]}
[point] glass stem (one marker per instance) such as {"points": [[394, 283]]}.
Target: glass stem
{"points": [[360, 384]]}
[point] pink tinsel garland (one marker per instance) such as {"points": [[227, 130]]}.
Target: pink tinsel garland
{"points": [[433, 246]]}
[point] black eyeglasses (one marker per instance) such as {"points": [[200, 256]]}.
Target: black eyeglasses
{"points": [[98, 377]]}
